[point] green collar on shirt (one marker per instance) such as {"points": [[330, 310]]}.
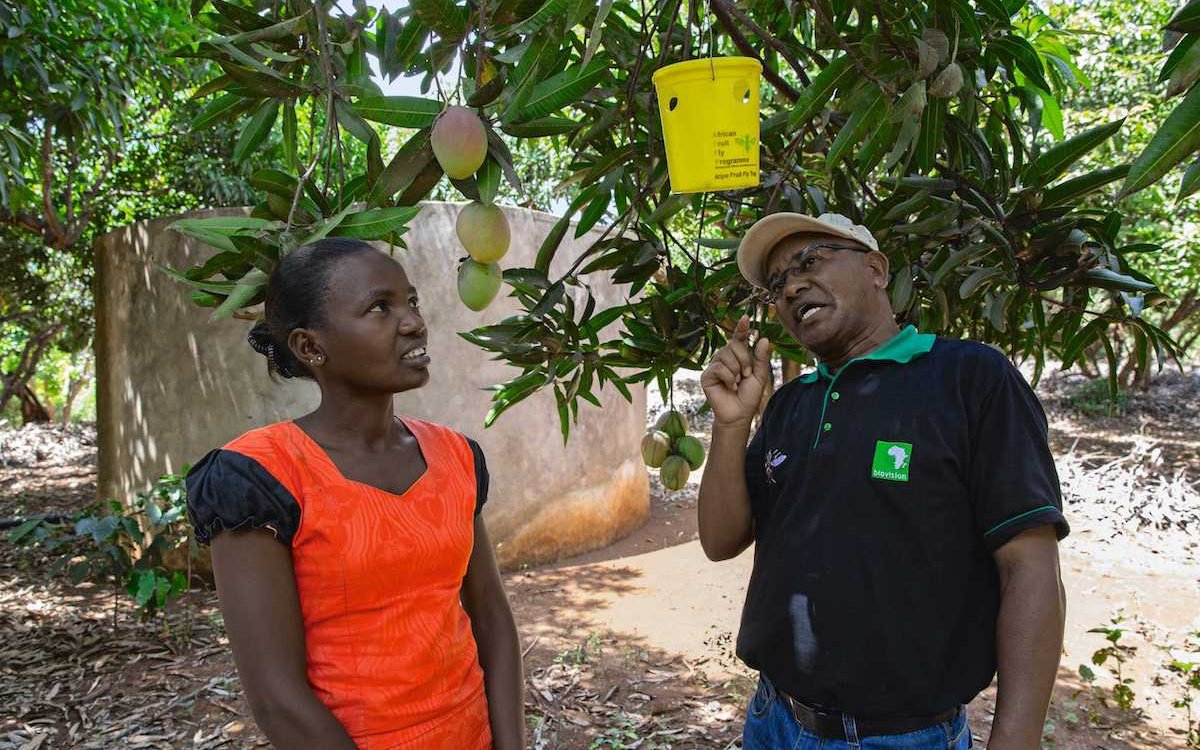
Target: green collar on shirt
{"points": [[902, 348]]}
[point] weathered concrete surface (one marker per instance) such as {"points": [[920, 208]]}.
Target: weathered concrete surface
{"points": [[173, 384]]}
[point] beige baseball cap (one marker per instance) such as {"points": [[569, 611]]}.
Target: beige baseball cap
{"points": [[755, 247]]}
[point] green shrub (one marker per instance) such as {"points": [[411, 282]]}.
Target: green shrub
{"points": [[136, 548], [1093, 399]]}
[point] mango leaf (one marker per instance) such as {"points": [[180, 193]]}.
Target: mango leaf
{"points": [[487, 179], [354, 124], [817, 94], [443, 16], [425, 181], [401, 111], [1106, 278], [550, 244], [290, 156], [597, 32], [404, 167], [247, 288], [1057, 160], [1083, 338], [1176, 139], [242, 18], [324, 228], [866, 115], [977, 278], [1176, 56], [487, 93], [274, 181], [544, 126], [1052, 116], [254, 75], [224, 224], [546, 13], [1186, 19], [499, 151], [1191, 180], [223, 107], [1023, 56], [222, 288], [210, 87], [535, 55], [562, 89], [1186, 71], [256, 130], [408, 44], [1069, 191], [281, 30], [375, 223]]}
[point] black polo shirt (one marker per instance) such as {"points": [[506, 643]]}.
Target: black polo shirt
{"points": [[879, 494]]}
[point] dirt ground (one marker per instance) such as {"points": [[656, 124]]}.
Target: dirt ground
{"points": [[630, 646]]}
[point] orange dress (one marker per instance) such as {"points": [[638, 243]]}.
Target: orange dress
{"points": [[389, 646]]}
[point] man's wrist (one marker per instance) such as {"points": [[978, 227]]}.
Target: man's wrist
{"points": [[733, 426]]}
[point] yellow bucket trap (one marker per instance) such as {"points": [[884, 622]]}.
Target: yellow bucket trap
{"points": [[709, 112]]}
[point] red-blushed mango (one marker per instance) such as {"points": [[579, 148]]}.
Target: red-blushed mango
{"points": [[483, 231], [656, 446], [691, 450], [674, 472], [478, 283], [459, 142]]}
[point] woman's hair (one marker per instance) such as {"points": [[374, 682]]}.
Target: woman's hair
{"points": [[296, 296]]}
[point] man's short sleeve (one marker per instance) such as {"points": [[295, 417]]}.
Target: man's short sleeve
{"points": [[1014, 486]]}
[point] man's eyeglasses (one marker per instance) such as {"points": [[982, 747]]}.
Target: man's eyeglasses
{"points": [[800, 265]]}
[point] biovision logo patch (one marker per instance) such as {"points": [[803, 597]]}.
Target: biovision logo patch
{"points": [[891, 461]]}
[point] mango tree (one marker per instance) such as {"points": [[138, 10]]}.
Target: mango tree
{"points": [[938, 124]]}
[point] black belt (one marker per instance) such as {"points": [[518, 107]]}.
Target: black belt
{"points": [[832, 724]]}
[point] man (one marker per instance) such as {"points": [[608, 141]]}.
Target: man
{"points": [[904, 508]]}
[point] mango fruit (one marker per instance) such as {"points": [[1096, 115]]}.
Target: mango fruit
{"points": [[691, 450], [478, 283], [483, 231], [459, 142], [674, 472], [673, 423]]}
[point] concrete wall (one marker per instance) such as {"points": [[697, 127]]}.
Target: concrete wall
{"points": [[173, 384]]}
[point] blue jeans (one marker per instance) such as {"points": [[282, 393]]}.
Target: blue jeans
{"points": [[771, 726]]}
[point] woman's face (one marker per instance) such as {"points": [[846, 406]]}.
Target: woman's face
{"points": [[374, 336]]}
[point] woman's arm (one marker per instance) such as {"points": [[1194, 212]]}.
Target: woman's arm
{"points": [[257, 589], [499, 648]]}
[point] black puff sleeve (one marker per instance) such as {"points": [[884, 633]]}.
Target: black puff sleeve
{"points": [[227, 490], [481, 475]]}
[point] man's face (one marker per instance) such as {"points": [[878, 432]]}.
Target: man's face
{"points": [[827, 290]]}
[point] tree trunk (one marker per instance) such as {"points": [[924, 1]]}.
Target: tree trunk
{"points": [[32, 409], [17, 381], [75, 386]]}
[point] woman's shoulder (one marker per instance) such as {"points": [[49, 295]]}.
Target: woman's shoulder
{"points": [[426, 430], [269, 452], [269, 438], [249, 480]]}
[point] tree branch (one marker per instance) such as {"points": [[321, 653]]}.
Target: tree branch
{"points": [[854, 59], [770, 39], [52, 232], [23, 220], [740, 41]]}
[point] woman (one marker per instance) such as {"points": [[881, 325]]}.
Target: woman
{"points": [[359, 589]]}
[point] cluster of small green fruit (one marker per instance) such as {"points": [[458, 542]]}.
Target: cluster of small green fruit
{"points": [[668, 448], [460, 145]]}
